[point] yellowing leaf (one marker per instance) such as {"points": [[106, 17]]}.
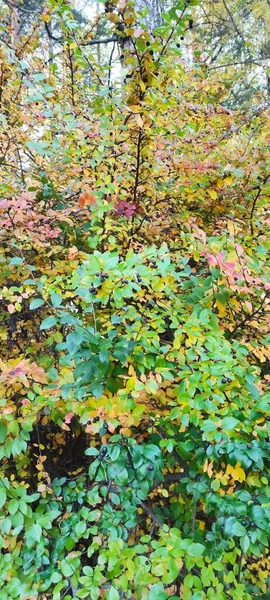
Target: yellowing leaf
{"points": [[213, 194], [236, 472], [139, 121], [221, 309]]}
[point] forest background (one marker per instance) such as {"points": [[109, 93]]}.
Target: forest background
{"points": [[134, 322]]}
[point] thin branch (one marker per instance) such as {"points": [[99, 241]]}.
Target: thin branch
{"points": [[234, 23], [60, 40], [194, 517], [110, 64], [113, 38], [50, 34], [246, 319], [149, 511], [232, 64], [254, 204], [2, 158], [72, 81]]}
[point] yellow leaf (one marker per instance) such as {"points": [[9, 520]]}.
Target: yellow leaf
{"points": [[142, 85], [236, 472], [45, 18], [231, 228], [213, 194], [139, 121], [113, 18], [129, 19], [221, 309], [178, 341]]}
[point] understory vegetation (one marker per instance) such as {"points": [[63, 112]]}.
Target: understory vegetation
{"points": [[134, 322]]}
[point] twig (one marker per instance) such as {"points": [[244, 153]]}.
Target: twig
{"points": [[149, 511], [110, 64], [253, 208], [194, 517]]}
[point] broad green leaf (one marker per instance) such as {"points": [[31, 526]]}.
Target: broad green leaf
{"points": [[113, 594], [80, 528], [56, 299], [195, 549], [35, 532], [93, 266], [229, 423], [3, 496], [157, 592], [16, 260], [13, 506], [36, 303], [3, 432], [48, 323], [244, 543], [92, 451]]}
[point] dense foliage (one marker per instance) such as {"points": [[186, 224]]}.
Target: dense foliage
{"points": [[135, 415]]}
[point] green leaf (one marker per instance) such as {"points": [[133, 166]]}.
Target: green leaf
{"points": [[36, 303], [88, 571], [16, 260], [195, 549], [67, 570], [56, 299], [39, 77], [74, 341], [175, 412], [188, 581], [56, 577], [91, 451], [93, 265], [6, 525], [69, 543], [122, 476], [157, 592], [97, 390], [35, 532], [151, 451], [40, 147], [80, 528], [114, 452], [13, 506], [244, 543], [3, 496], [229, 423], [209, 425], [3, 432], [48, 323], [238, 530], [113, 594]]}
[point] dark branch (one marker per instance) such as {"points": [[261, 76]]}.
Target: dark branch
{"points": [[113, 38]]}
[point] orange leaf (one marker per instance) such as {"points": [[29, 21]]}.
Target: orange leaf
{"points": [[86, 198], [82, 200]]}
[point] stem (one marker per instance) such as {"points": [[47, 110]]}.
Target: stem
{"points": [[253, 208], [240, 566], [194, 517], [70, 58], [138, 156]]}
